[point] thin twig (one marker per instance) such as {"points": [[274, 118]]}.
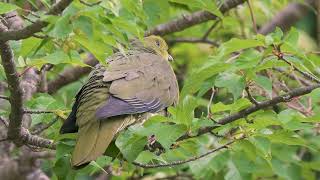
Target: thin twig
{"points": [[4, 97], [304, 81], [4, 139], [250, 97], [305, 74], [241, 23], [31, 12], [210, 102], [40, 36], [27, 111], [46, 126], [28, 19], [205, 36], [192, 40], [175, 163], [252, 17], [5, 122]]}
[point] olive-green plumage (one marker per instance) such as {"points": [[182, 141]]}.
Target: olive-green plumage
{"points": [[139, 81]]}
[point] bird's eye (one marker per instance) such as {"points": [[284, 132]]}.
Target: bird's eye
{"points": [[158, 43]]}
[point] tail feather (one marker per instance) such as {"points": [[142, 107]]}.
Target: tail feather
{"points": [[94, 138]]}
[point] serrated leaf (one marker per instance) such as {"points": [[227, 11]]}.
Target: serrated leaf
{"points": [[165, 134], [185, 111], [234, 45], [100, 50], [233, 82], [264, 82], [130, 144], [62, 28], [202, 4], [193, 83]]}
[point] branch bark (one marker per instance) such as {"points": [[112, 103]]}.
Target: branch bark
{"points": [[175, 163], [191, 19], [288, 16], [16, 96], [28, 31]]}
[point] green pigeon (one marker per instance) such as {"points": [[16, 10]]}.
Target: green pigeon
{"points": [[133, 83]]}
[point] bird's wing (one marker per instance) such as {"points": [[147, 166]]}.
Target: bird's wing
{"points": [[139, 83]]}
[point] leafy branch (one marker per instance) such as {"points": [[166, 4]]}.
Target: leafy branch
{"points": [[195, 158], [18, 134], [261, 105]]}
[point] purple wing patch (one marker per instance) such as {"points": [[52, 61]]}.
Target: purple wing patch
{"points": [[115, 107]]}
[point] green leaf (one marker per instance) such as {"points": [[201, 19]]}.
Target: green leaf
{"points": [[185, 110], [99, 49], [202, 4], [84, 25], [274, 37], [145, 157], [195, 80], [130, 144], [247, 60], [233, 82], [64, 147], [263, 145], [286, 137], [155, 119], [6, 7], [62, 169], [264, 82], [219, 161], [62, 28], [238, 44], [135, 7], [165, 134], [100, 163]]}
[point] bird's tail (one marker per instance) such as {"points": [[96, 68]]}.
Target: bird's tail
{"points": [[94, 137]]}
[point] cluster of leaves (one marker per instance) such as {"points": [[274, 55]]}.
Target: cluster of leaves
{"points": [[280, 143]]}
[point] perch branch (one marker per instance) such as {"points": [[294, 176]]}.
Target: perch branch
{"points": [[175, 163]]}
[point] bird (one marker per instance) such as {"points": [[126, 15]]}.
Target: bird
{"points": [[138, 81]]}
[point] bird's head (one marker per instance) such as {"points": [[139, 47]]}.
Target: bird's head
{"points": [[159, 45]]}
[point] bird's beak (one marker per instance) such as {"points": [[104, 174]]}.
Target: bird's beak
{"points": [[170, 58]]}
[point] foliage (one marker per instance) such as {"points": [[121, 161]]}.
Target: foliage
{"points": [[281, 142]]}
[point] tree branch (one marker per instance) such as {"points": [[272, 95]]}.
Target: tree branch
{"points": [[287, 17], [276, 100], [27, 111], [28, 31], [191, 19], [16, 93], [4, 97], [46, 126], [253, 19], [175, 163], [192, 40]]}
